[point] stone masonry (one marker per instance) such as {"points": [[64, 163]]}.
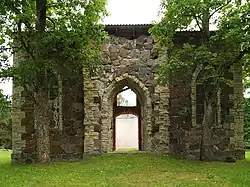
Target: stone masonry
{"points": [[82, 116]]}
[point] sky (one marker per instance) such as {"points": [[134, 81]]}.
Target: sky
{"points": [[120, 12], [132, 11], [130, 97]]}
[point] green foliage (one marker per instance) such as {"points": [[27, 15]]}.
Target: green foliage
{"points": [[71, 39], [214, 52], [210, 54], [5, 121], [234, 34], [49, 38], [121, 100]]}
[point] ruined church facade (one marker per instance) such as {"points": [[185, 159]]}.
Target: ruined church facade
{"points": [[169, 115]]}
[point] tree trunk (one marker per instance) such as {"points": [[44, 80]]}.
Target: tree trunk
{"points": [[207, 123], [41, 15], [205, 26], [208, 105], [41, 116], [41, 107]]}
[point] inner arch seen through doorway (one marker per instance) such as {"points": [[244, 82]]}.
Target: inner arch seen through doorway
{"points": [[127, 121]]}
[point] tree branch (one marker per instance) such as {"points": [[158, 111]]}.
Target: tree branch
{"points": [[219, 8], [17, 11], [197, 21], [3, 49], [41, 10], [11, 4], [196, 18], [30, 93], [23, 42], [197, 72], [239, 57], [52, 21]]}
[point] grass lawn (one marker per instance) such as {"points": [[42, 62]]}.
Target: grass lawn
{"points": [[126, 170]]}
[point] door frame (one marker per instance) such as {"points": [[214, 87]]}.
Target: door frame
{"points": [[120, 110]]}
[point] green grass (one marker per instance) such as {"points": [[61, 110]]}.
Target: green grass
{"points": [[126, 170], [248, 155]]}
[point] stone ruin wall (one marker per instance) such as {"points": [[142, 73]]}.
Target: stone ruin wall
{"points": [[66, 124], [126, 63], [186, 115], [81, 117]]}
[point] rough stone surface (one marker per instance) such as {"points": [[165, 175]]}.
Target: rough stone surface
{"points": [[130, 66], [82, 109]]}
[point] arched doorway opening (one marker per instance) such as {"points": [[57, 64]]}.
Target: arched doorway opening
{"points": [[127, 134], [110, 110]]}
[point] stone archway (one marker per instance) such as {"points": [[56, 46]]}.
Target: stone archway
{"points": [[107, 135]]}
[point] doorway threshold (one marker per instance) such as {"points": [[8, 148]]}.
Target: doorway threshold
{"points": [[127, 151]]}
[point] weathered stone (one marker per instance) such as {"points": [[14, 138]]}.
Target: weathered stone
{"points": [[105, 48], [148, 46], [194, 146], [128, 45], [145, 54], [122, 69], [224, 144], [139, 46], [116, 62], [97, 128], [124, 53], [141, 40], [230, 159], [126, 62], [97, 143], [219, 132], [136, 53], [150, 39], [114, 52], [122, 40], [171, 114]]}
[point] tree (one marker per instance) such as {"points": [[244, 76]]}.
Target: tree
{"points": [[202, 60], [5, 121], [48, 36], [120, 100]]}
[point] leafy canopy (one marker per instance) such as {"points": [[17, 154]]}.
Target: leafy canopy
{"points": [[216, 50], [71, 39]]}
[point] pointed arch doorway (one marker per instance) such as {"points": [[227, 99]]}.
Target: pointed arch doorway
{"points": [[143, 110], [127, 129]]}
